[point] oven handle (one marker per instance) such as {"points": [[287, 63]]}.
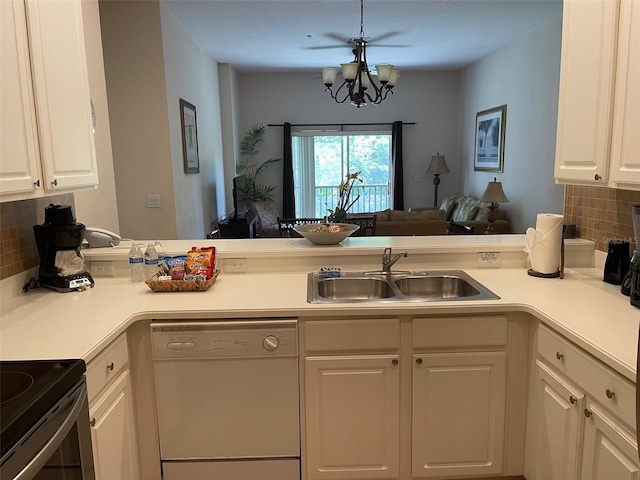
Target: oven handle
{"points": [[52, 445]]}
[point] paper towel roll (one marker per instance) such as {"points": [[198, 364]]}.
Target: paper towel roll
{"points": [[546, 245]]}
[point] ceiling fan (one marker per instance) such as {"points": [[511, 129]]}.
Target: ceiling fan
{"points": [[344, 40]]}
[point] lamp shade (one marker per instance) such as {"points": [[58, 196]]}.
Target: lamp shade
{"points": [[494, 193], [438, 165], [329, 75]]}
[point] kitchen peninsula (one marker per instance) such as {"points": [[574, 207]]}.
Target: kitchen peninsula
{"points": [[591, 316]]}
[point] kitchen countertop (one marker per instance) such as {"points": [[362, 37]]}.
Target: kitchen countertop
{"points": [[46, 324]]}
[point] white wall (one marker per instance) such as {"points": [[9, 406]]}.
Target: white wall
{"points": [[192, 74], [97, 208], [524, 75], [136, 89], [428, 98], [228, 86]]}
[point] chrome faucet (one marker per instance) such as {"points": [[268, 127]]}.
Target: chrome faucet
{"points": [[387, 261]]}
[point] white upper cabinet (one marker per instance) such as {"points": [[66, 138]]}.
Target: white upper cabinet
{"points": [[47, 131], [599, 95], [625, 150]]}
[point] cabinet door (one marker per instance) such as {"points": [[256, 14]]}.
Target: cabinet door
{"points": [[558, 427], [625, 151], [352, 417], [458, 414], [113, 432], [61, 87], [609, 451], [585, 102], [19, 155]]}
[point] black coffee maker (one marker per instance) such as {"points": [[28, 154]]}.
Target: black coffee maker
{"points": [[635, 260], [62, 266], [617, 264]]}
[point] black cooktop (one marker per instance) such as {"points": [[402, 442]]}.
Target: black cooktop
{"points": [[28, 390]]}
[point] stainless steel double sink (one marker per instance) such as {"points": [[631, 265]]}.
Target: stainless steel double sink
{"points": [[398, 286]]}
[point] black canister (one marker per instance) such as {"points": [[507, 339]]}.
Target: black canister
{"points": [[617, 264], [635, 284]]}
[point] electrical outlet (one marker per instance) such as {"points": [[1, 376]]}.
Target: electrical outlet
{"points": [[153, 201], [102, 269], [488, 259], [235, 265]]}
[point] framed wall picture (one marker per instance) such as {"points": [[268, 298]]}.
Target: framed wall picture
{"points": [[489, 147], [189, 137]]}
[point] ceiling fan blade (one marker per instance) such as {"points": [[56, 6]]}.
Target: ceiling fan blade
{"points": [[336, 36], [384, 36], [326, 47]]}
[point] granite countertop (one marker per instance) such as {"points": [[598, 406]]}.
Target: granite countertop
{"points": [[46, 324]]}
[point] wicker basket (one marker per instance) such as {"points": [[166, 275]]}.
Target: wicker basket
{"points": [[182, 285]]}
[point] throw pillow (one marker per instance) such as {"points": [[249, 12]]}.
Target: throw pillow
{"points": [[465, 212], [483, 211], [448, 204], [266, 211]]}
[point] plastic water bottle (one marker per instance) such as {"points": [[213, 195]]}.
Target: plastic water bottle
{"points": [[151, 260], [160, 251], [136, 262]]}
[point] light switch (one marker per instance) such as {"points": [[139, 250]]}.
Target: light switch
{"points": [[417, 178], [153, 201]]}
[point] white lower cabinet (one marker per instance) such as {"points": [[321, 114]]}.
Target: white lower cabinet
{"points": [[352, 417], [403, 398], [113, 429], [584, 415], [458, 414], [559, 429], [609, 451]]}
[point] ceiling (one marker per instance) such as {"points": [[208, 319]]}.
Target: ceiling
{"points": [[306, 35]]}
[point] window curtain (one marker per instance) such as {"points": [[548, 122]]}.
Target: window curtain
{"points": [[396, 166], [288, 194]]}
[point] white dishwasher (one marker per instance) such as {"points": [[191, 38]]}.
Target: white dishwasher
{"points": [[228, 404]]}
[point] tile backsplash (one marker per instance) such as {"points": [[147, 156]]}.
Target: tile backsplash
{"points": [[18, 250], [600, 214]]}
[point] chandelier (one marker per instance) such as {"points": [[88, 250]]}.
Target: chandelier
{"points": [[359, 83]]}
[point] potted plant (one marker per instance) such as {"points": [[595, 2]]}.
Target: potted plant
{"points": [[252, 167], [339, 214]]}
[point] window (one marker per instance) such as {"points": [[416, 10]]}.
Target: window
{"points": [[321, 161]]}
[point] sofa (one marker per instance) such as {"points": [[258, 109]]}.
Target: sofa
{"points": [[467, 210], [397, 222]]}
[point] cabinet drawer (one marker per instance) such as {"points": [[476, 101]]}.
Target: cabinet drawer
{"points": [[599, 381], [107, 366], [368, 334], [459, 332]]}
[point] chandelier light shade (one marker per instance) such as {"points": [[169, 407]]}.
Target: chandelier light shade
{"points": [[437, 166], [360, 86], [494, 195]]}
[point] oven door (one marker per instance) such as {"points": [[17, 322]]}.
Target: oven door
{"points": [[56, 447]]}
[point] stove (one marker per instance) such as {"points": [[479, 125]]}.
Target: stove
{"points": [[39, 399]]}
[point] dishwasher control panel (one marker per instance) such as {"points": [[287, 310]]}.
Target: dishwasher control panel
{"points": [[223, 339]]}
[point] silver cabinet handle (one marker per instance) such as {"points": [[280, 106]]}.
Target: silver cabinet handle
{"points": [[419, 361], [559, 356], [597, 177], [111, 366], [587, 412], [394, 361], [610, 393], [573, 400]]}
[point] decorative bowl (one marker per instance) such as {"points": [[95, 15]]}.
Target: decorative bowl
{"points": [[326, 233]]}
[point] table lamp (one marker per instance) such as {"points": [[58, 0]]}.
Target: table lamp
{"points": [[437, 166], [494, 195]]}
